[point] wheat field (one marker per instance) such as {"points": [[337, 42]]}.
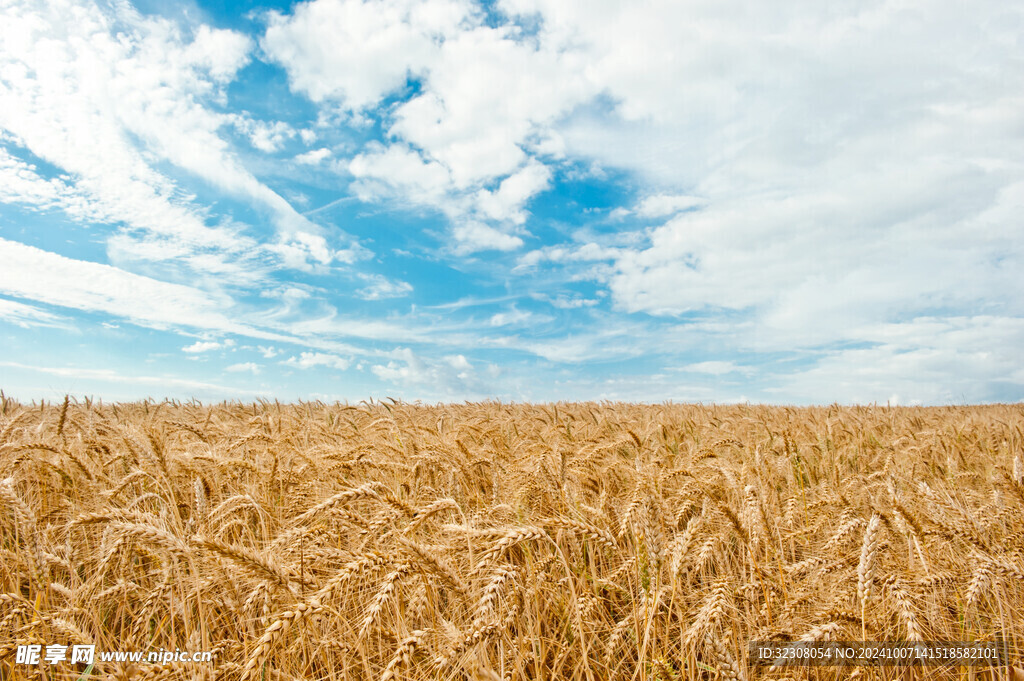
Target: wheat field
{"points": [[494, 541]]}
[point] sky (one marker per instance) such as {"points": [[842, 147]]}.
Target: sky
{"points": [[446, 200]]}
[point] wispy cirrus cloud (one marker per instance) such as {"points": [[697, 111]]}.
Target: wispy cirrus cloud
{"points": [[106, 95], [157, 383], [34, 274], [27, 316]]}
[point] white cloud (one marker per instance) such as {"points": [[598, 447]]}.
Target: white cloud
{"points": [[244, 367], [135, 203], [836, 186], [472, 236], [486, 94], [379, 287], [311, 252], [221, 53], [506, 202], [268, 352], [926, 360], [563, 302], [458, 362], [168, 384], [308, 360], [267, 137], [585, 253], [202, 346], [399, 172], [814, 188], [512, 317], [106, 94], [605, 338], [449, 377], [381, 169], [357, 52], [329, 324], [314, 156], [715, 368], [572, 349], [844, 215], [879, 247], [660, 205], [27, 316], [35, 274], [744, 110], [20, 183]]}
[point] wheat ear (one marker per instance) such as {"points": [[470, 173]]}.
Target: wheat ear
{"points": [[906, 610], [727, 667], [273, 634], [248, 561], [403, 656], [866, 567]]}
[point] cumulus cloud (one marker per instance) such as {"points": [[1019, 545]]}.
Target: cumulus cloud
{"points": [[314, 156], [265, 136], [485, 96], [458, 362], [823, 200], [268, 352], [381, 169], [472, 236], [373, 45], [505, 203]]}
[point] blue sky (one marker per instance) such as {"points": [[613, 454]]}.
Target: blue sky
{"points": [[448, 200]]}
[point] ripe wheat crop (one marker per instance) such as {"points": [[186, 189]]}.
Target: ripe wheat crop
{"points": [[504, 542]]}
